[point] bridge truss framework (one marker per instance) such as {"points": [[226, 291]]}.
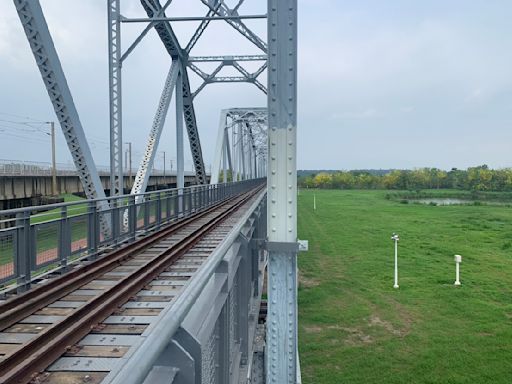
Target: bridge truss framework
{"points": [[279, 56]]}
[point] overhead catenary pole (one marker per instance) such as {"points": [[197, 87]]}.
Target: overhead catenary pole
{"points": [[129, 166], [54, 161], [282, 355], [164, 167]]}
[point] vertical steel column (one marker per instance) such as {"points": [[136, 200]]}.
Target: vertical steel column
{"points": [[114, 68], [282, 191], [242, 150], [219, 154], [225, 161], [180, 156]]}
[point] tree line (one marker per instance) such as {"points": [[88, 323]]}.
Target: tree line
{"points": [[480, 178]]}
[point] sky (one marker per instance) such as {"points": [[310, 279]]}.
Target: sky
{"points": [[382, 84]]}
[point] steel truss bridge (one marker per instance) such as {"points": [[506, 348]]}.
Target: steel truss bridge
{"points": [[165, 286]]}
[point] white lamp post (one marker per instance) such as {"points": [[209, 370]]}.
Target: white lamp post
{"points": [[458, 260], [395, 238]]}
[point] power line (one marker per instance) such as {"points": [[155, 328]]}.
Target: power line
{"points": [[22, 117]]}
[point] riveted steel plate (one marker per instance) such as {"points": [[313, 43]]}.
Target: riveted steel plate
{"points": [[111, 277], [138, 312], [153, 298], [98, 364], [144, 304], [40, 319], [184, 263], [169, 282], [129, 319], [126, 268], [55, 311], [73, 297], [126, 340], [7, 349], [146, 292], [66, 304], [116, 273], [15, 338], [176, 274], [135, 263], [96, 351], [26, 328], [173, 289], [100, 284], [181, 269], [119, 329], [87, 292], [70, 377]]}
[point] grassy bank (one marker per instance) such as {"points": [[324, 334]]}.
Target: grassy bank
{"points": [[355, 328]]}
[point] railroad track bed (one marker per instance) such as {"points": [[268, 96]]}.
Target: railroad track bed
{"points": [[78, 328]]}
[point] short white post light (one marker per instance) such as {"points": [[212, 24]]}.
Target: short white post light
{"points": [[458, 260], [314, 202], [395, 238]]}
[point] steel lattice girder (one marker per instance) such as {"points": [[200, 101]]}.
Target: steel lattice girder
{"points": [[172, 46], [253, 126], [142, 177], [223, 10], [45, 54], [115, 98]]}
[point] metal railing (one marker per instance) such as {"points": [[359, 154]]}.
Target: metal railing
{"points": [[38, 240], [36, 168], [208, 335]]}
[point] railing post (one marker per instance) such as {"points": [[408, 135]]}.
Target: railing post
{"points": [[92, 228], [158, 208], [168, 206], [115, 221], [189, 199], [146, 212], [23, 251], [64, 239], [132, 217]]}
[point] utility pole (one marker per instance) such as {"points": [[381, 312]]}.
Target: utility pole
{"points": [[130, 163], [164, 167], [54, 164]]}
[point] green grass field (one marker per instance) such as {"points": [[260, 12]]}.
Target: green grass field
{"points": [[355, 328]]}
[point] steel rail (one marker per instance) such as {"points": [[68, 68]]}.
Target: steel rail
{"points": [[20, 306], [49, 345]]}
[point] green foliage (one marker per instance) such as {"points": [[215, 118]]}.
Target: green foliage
{"points": [[229, 176], [355, 328], [476, 179]]}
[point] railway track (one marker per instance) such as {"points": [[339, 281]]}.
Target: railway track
{"points": [[117, 295]]}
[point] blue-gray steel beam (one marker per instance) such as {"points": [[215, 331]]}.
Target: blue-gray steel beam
{"points": [[190, 18], [220, 149], [199, 59], [282, 193], [237, 24], [172, 46], [45, 54], [142, 177], [144, 32], [115, 97]]}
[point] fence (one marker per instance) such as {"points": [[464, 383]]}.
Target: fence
{"points": [[35, 168], [35, 240]]}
